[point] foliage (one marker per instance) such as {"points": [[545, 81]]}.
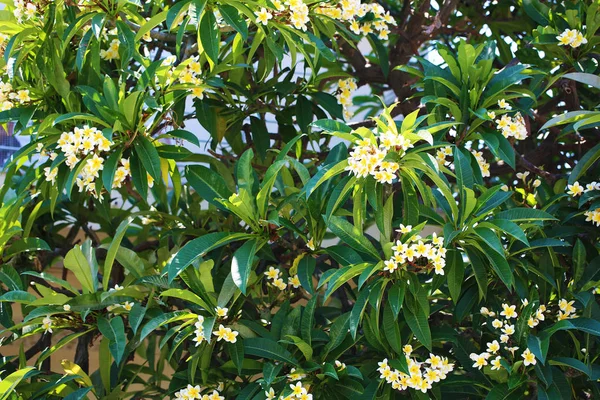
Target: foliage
{"points": [[444, 246]]}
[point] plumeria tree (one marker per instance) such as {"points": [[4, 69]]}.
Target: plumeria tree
{"points": [[295, 199]]}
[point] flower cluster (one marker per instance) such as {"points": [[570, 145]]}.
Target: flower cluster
{"points": [[344, 96], [9, 97], [367, 156], [507, 329], [571, 37], [190, 76], [363, 19], [576, 189], [441, 154], [195, 392], [82, 144], [113, 51], [226, 334], [293, 11], [353, 11], [567, 310], [512, 126], [483, 164], [422, 374], [427, 254], [274, 275], [24, 10]]}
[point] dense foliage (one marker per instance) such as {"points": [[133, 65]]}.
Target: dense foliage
{"points": [[397, 199]]}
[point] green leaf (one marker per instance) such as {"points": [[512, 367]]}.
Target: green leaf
{"points": [[323, 175], [343, 275], [419, 326], [210, 35], [262, 199], [114, 331], [579, 259], [396, 297], [538, 347], [26, 245], [331, 126], [306, 268], [209, 184], [152, 23], [268, 349], [511, 229], [233, 18], [9, 383], [500, 265], [491, 239], [456, 273], [197, 248], [241, 263], [392, 331], [236, 353], [464, 173], [301, 345], [17, 296], [524, 214], [585, 163], [537, 11], [187, 296], [350, 235], [113, 248], [136, 315], [164, 319], [85, 273], [148, 156]]}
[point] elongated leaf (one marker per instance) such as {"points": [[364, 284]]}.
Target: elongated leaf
{"points": [[209, 184], [524, 214], [268, 349], [114, 331], [419, 326], [164, 319], [241, 264], [113, 248], [84, 272], [350, 235], [210, 36], [197, 248], [187, 296], [306, 268]]}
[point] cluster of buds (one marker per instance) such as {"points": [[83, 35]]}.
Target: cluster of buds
{"points": [[422, 375], [9, 97], [571, 37], [415, 249], [344, 96]]}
